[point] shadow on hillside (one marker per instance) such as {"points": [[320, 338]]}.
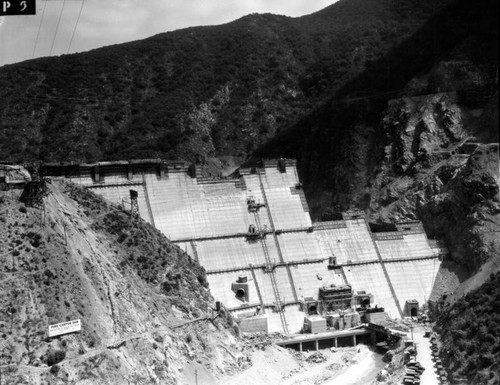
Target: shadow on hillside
{"points": [[343, 136]]}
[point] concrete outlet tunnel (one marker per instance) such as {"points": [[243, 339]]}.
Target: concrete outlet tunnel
{"points": [[240, 293], [312, 310], [290, 262]]}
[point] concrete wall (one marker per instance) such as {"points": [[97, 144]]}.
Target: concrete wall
{"points": [[209, 220], [254, 324], [376, 318]]}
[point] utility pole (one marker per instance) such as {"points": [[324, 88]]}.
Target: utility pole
{"points": [[195, 376]]}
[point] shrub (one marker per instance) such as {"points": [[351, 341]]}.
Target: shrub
{"points": [[121, 237], [23, 209], [55, 369], [34, 238], [202, 280], [55, 357]]}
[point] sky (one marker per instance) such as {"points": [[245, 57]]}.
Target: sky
{"points": [[69, 26]]}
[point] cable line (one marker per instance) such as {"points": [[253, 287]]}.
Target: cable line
{"points": [[76, 25], [39, 28], [57, 28]]}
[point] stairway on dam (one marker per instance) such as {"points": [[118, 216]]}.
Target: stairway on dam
{"points": [[257, 225]]}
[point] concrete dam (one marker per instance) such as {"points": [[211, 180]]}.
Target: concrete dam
{"points": [[266, 261]]}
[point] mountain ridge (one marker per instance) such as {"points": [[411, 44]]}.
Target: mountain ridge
{"points": [[155, 89]]}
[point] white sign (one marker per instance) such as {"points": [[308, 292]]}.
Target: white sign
{"points": [[65, 327]]}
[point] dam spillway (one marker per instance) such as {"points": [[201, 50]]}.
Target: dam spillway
{"points": [[256, 225]]}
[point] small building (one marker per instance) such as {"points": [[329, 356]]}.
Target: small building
{"points": [[310, 306], [314, 324], [411, 308], [363, 299], [375, 315]]}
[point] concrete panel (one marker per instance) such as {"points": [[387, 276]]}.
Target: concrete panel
{"points": [[265, 286], [309, 278], [411, 246], [284, 286], [230, 253], [85, 178], [286, 208], [254, 324], [113, 176], [300, 246], [184, 209], [254, 190], [371, 279], [350, 244], [294, 320], [414, 279]]}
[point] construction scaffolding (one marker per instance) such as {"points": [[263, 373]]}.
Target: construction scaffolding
{"points": [[334, 297]]}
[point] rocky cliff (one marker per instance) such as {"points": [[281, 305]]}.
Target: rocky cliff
{"points": [[438, 171]]}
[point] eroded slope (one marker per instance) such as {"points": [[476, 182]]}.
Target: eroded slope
{"points": [[145, 306]]}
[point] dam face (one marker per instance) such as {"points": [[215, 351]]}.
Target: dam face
{"points": [[265, 259]]}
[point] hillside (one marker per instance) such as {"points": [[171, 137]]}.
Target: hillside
{"points": [[453, 53], [389, 107], [414, 136], [470, 332], [145, 308], [205, 91]]}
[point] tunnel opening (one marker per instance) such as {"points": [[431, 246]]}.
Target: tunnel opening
{"points": [[312, 310], [414, 312], [240, 293]]}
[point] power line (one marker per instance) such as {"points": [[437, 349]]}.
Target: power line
{"points": [[57, 28], [39, 28], [76, 25]]}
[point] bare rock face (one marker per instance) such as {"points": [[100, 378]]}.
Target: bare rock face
{"points": [[419, 129], [436, 170], [466, 212]]}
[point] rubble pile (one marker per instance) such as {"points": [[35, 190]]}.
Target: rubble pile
{"points": [[260, 341], [316, 358]]}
